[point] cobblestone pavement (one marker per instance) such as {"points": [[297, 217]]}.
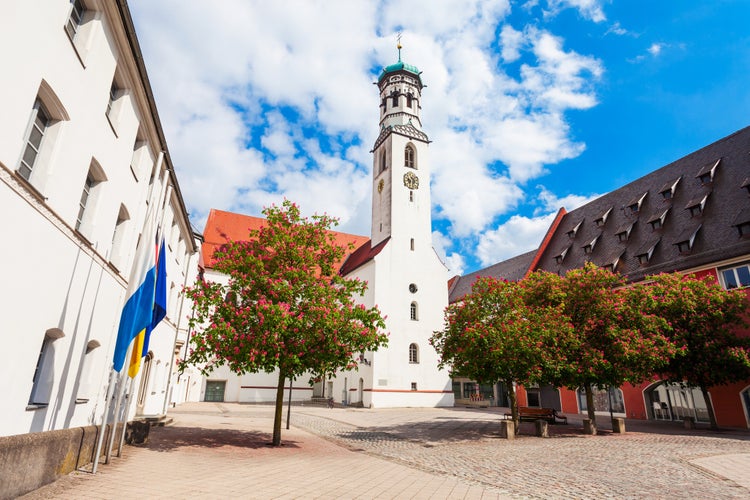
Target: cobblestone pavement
{"points": [[219, 450], [654, 460]]}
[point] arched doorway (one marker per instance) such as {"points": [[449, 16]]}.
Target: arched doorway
{"points": [[665, 401]]}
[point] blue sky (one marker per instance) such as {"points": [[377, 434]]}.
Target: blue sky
{"points": [[532, 105]]}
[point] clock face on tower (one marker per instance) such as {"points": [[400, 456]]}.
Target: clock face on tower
{"points": [[411, 180]]}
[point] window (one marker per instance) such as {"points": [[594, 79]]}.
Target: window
{"points": [[572, 233], [394, 97], [686, 240], [112, 104], [89, 197], [561, 256], [602, 219], [623, 234], [706, 174], [40, 123], [383, 165], [411, 196], [746, 184], [75, 20], [413, 354], [736, 277], [408, 100], [744, 229], [413, 311], [657, 221], [742, 222], [43, 380], [43, 128], [589, 248], [409, 155], [668, 189], [413, 287], [411, 244], [635, 204], [413, 386], [697, 205], [644, 254]]}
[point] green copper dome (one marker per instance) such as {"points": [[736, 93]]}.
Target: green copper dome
{"points": [[399, 66]]}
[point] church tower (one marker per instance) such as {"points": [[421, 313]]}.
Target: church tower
{"points": [[400, 173], [406, 279]]}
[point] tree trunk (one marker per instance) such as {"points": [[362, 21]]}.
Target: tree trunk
{"points": [[279, 410], [513, 403], [590, 408], [710, 408]]}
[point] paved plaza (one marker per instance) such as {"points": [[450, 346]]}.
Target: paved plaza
{"points": [[220, 450]]}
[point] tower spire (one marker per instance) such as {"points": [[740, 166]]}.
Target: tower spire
{"points": [[398, 45]]}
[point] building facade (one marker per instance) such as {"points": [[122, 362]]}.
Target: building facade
{"points": [[691, 216], [82, 154], [405, 277]]}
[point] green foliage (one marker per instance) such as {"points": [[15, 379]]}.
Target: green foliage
{"points": [[704, 319], [285, 306]]}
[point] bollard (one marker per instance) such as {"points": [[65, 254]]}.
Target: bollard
{"points": [[689, 422], [618, 425], [541, 428], [507, 429]]}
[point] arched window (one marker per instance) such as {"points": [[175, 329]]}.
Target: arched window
{"points": [[413, 311], [383, 164], [395, 99], [408, 100], [409, 157], [41, 389], [413, 354]]}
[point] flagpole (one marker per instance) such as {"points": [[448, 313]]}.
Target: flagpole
{"points": [[163, 193], [130, 397], [112, 375], [100, 437]]}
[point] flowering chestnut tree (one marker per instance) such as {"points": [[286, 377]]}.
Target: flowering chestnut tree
{"points": [[704, 319], [620, 339], [284, 307], [493, 335]]}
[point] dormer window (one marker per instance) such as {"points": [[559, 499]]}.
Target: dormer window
{"points": [[646, 252], [635, 204], [572, 233], [686, 240], [589, 248], [602, 219], [706, 174], [697, 205], [746, 185], [612, 266], [657, 221], [742, 222], [668, 189], [561, 256], [624, 232]]}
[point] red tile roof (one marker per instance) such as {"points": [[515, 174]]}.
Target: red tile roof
{"points": [[361, 255], [223, 227]]}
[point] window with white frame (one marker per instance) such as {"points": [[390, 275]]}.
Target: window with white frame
{"points": [[39, 124], [41, 389], [47, 113], [737, 276], [413, 354], [75, 20]]}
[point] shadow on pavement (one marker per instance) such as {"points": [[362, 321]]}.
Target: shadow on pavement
{"points": [[171, 438]]}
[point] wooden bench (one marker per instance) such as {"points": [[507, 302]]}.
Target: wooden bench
{"points": [[531, 414]]}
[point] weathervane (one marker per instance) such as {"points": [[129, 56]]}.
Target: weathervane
{"points": [[398, 45]]}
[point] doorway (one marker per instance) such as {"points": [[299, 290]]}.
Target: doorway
{"points": [[215, 391]]}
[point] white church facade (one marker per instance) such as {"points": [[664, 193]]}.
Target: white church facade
{"points": [[405, 277]]}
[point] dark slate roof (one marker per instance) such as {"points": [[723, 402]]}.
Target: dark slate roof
{"points": [[512, 270], [717, 239]]}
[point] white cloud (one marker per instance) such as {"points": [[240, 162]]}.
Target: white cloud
{"points": [[550, 202], [655, 49], [454, 261], [589, 9], [265, 100], [517, 235]]}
